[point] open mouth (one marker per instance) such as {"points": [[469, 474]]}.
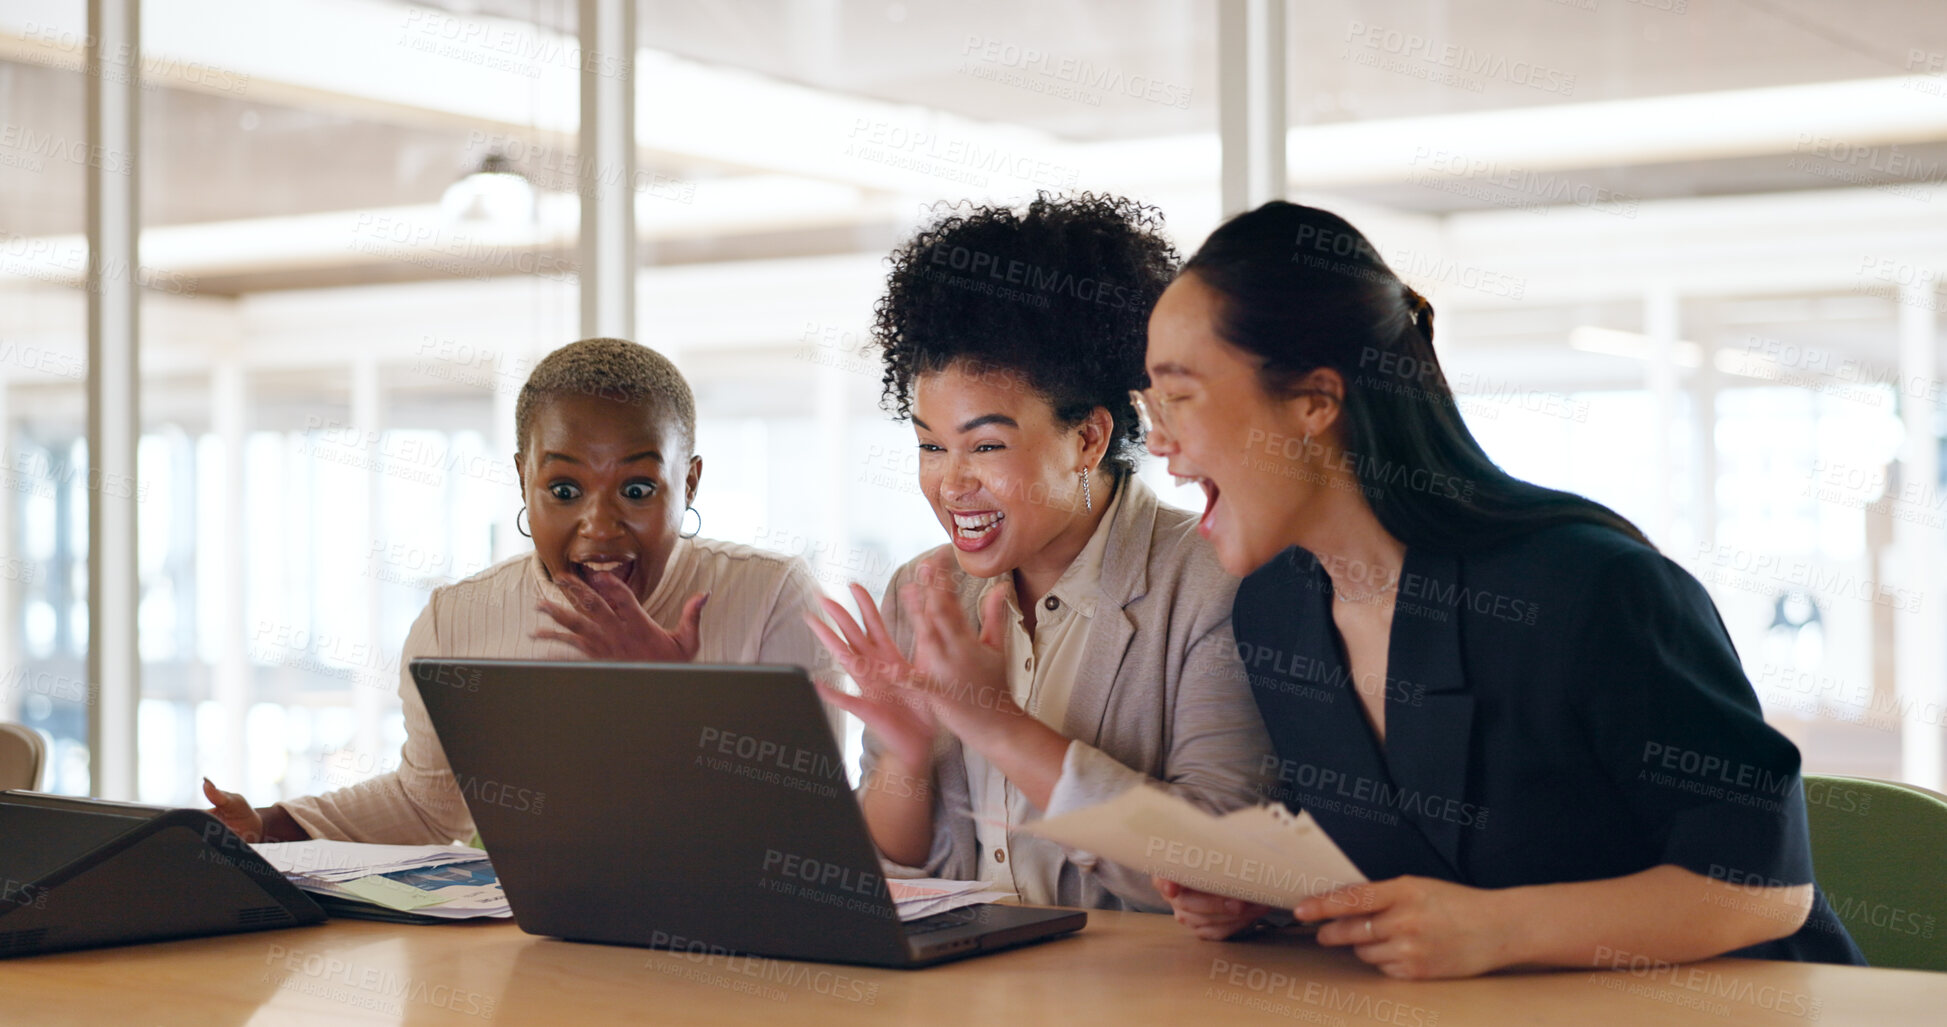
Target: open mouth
{"points": [[1208, 521], [622, 567], [976, 529]]}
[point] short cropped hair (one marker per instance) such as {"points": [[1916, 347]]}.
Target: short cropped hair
{"points": [[614, 369], [1059, 293]]}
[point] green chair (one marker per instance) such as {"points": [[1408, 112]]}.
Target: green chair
{"points": [[1879, 849]]}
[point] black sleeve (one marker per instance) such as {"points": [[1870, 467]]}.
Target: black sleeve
{"points": [[1678, 729]]}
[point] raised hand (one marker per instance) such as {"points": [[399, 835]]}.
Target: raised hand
{"points": [[897, 712], [606, 622], [963, 666]]}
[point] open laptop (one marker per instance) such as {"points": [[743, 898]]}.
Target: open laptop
{"points": [[684, 806]]}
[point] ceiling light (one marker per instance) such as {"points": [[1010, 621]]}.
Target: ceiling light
{"points": [[494, 198]]}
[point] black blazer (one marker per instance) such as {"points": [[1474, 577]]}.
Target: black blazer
{"points": [[1564, 707]]}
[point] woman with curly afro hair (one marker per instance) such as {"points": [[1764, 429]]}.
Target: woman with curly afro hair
{"points": [[1072, 639]]}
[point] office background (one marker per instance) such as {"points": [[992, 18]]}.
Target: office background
{"points": [[1685, 256]]}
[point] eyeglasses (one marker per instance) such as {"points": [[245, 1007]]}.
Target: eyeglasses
{"points": [[1152, 412]]}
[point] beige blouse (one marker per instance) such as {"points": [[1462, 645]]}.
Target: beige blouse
{"points": [[1041, 673], [754, 615]]}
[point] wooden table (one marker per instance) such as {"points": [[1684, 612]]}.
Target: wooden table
{"points": [[1125, 968]]}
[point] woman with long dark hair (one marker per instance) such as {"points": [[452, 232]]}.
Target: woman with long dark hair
{"points": [[1526, 726]]}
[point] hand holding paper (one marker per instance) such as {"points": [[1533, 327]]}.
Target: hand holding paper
{"points": [[1210, 917], [1262, 855]]}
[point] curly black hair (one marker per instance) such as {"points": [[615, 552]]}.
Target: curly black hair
{"points": [[1059, 294]]}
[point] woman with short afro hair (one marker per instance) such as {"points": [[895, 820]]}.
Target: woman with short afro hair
{"points": [[607, 462], [1072, 639]]}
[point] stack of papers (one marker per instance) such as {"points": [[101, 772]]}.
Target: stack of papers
{"points": [[344, 861], [443, 882], [925, 896]]}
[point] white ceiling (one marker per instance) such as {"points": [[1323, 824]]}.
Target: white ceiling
{"points": [[1728, 199]]}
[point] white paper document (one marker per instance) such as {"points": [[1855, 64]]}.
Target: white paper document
{"points": [[925, 896], [1263, 854], [344, 861], [448, 882]]}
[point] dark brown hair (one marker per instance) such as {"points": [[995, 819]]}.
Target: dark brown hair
{"points": [[1301, 289]]}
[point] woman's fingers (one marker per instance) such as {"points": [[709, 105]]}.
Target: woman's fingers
{"points": [[225, 802], [567, 616], [603, 620], [858, 706], [1359, 929], [876, 712], [1217, 928], [582, 638], [585, 598], [688, 635], [939, 607], [1358, 915], [855, 636], [926, 635], [1351, 901], [579, 643], [922, 600], [931, 568], [906, 735], [872, 674], [943, 608], [876, 635], [1213, 928], [1210, 917], [614, 593], [993, 619], [833, 644], [1374, 939], [235, 811], [938, 624], [869, 617], [1207, 904]]}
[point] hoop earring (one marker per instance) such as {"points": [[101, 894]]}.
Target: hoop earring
{"points": [[517, 523], [1088, 502], [699, 523]]}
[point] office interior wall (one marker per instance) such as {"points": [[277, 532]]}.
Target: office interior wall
{"points": [[1680, 262]]}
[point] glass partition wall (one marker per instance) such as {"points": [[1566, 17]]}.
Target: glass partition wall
{"points": [[44, 160], [1681, 276]]}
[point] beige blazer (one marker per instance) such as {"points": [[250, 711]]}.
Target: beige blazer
{"points": [[1161, 697]]}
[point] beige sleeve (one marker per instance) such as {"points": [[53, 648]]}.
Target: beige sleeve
{"points": [[1218, 748], [417, 804], [1218, 742]]}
